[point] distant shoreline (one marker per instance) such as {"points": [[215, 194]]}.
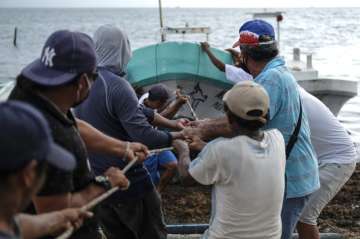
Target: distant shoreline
{"points": [[155, 8]]}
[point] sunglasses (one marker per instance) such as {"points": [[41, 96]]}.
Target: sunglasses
{"points": [[93, 75]]}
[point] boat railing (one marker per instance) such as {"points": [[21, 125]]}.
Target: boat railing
{"points": [[186, 30]]}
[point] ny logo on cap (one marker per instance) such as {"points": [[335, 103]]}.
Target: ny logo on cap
{"points": [[48, 56]]}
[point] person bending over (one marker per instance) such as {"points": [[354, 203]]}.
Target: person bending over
{"points": [[162, 166], [158, 98], [336, 157]]}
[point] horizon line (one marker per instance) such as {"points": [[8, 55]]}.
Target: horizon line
{"points": [[144, 7]]}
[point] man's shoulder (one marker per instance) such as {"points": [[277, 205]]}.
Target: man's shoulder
{"points": [[271, 75], [116, 86], [218, 142], [274, 133], [221, 145], [112, 78], [212, 147]]}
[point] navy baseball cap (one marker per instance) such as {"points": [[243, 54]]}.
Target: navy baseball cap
{"points": [[159, 92], [65, 55], [252, 30], [25, 136]]}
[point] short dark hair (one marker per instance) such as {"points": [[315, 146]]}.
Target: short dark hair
{"points": [[252, 125], [263, 52], [159, 93]]}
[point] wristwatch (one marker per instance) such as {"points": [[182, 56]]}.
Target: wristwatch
{"points": [[103, 182]]}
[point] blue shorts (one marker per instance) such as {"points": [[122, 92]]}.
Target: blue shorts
{"points": [[155, 162]]}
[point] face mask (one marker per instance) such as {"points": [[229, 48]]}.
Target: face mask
{"points": [[82, 94]]}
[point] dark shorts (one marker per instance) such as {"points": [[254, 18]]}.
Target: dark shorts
{"points": [[133, 219]]}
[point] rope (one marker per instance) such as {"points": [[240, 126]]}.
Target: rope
{"points": [[156, 151], [97, 200], [192, 111], [107, 194]]}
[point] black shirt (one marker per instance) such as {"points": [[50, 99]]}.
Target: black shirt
{"points": [[65, 133]]}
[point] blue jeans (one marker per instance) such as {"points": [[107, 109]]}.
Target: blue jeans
{"points": [[290, 214]]}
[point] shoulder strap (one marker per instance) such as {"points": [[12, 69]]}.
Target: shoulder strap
{"points": [[294, 137]]}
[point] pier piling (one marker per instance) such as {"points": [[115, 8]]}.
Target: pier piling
{"points": [[15, 37]]}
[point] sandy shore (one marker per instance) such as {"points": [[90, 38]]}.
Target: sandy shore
{"points": [[192, 205]]}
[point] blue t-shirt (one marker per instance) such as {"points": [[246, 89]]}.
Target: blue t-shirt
{"points": [[156, 161], [301, 166]]}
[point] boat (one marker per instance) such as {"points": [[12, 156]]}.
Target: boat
{"points": [[183, 65]]}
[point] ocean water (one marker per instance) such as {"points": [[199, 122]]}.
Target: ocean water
{"points": [[331, 35]]}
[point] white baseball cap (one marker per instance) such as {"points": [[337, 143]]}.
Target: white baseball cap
{"points": [[247, 97]]}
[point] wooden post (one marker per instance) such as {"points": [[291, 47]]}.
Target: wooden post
{"points": [[161, 22], [15, 37]]}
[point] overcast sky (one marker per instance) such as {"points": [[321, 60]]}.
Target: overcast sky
{"points": [[181, 3]]}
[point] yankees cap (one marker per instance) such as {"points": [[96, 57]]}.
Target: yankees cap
{"points": [[65, 55]]}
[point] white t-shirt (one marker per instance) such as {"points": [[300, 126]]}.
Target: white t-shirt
{"points": [[143, 97], [236, 74], [331, 142], [248, 185]]}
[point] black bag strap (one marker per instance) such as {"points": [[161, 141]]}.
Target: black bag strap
{"points": [[294, 136]]}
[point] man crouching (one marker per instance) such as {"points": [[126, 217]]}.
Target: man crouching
{"points": [[247, 171]]}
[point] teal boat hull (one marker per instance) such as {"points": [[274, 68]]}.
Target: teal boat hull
{"points": [[182, 65], [175, 61]]}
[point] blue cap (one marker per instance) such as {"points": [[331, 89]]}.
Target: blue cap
{"points": [[65, 55], [25, 136], [259, 27], [251, 30]]}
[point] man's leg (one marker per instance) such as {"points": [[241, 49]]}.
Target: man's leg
{"points": [[167, 169], [307, 231], [153, 221], [121, 220], [290, 214], [332, 178], [152, 164]]}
